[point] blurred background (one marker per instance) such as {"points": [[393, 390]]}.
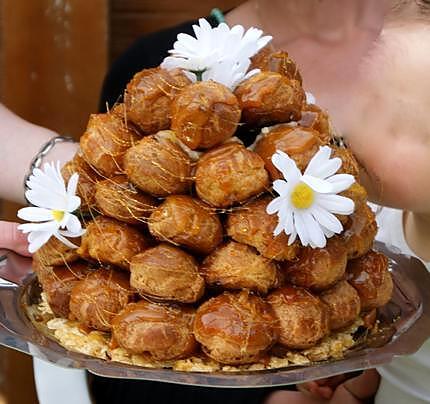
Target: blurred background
{"points": [[53, 57]]}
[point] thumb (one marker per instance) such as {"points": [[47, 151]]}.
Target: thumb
{"points": [[13, 239]]}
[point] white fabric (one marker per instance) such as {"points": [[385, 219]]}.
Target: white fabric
{"points": [[55, 384], [406, 380]]}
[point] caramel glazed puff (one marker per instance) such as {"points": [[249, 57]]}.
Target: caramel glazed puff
{"points": [[205, 114], [167, 273], [96, 299], [160, 331], [118, 198], [158, 166], [109, 241], [230, 174], [303, 317], [186, 221], [235, 328], [105, 141], [238, 266], [251, 225]]}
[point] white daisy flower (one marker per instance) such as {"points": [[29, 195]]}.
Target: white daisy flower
{"points": [[213, 51], [308, 202], [52, 213], [229, 72]]}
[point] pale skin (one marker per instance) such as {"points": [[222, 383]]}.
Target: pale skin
{"points": [[20, 141], [365, 63]]}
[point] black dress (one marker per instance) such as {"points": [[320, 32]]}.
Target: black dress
{"points": [[149, 51]]}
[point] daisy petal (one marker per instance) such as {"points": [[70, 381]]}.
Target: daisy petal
{"points": [[314, 231], [301, 228], [73, 225], [336, 204], [34, 214], [278, 229], [320, 158], [274, 206], [67, 233], [292, 238], [39, 227], [73, 203], [327, 232], [64, 240], [40, 198], [325, 169], [38, 239], [288, 221], [341, 182], [286, 165], [72, 185], [317, 184], [281, 187], [326, 219]]}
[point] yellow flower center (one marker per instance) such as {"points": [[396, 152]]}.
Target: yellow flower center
{"points": [[302, 196], [58, 215]]}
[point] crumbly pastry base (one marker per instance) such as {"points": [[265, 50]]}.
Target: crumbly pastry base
{"points": [[71, 336]]}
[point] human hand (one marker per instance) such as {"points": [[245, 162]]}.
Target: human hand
{"points": [[12, 239], [322, 388], [357, 390]]}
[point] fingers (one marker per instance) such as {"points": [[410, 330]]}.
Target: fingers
{"points": [[357, 390], [316, 389], [12, 239], [292, 397], [322, 388], [363, 386]]}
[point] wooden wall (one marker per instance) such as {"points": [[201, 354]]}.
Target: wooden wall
{"points": [[53, 56]]}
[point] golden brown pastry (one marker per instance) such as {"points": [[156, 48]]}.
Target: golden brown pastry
{"points": [[111, 242], [276, 61], [54, 252], [303, 318], [186, 221], [96, 299], [369, 275], [149, 96], [230, 174], [343, 304], [205, 114], [88, 178], [300, 144], [349, 163], [160, 331], [318, 268], [58, 283], [235, 328], [105, 141], [238, 266], [251, 225], [269, 97], [166, 273], [158, 166], [118, 198], [357, 193], [360, 231], [315, 118]]}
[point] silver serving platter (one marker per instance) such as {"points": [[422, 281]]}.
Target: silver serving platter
{"points": [[407, 320]]}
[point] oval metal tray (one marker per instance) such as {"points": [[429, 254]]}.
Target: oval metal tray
{"points": [[408, 313]]}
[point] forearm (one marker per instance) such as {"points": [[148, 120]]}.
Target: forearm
{"points": [[20, 141]]}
